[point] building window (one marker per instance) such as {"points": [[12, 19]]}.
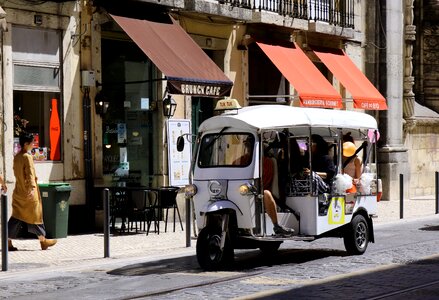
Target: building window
{"points": [[261, 68], [35, 109], [37, 89], [34, 77]]}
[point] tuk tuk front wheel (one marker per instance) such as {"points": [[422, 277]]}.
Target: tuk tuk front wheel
{"points": [[356, 237], [209, 254]]}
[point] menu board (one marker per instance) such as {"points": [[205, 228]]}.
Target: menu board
{"points": [[179, 163]]}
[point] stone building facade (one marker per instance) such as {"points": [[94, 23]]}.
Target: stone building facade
{"points": [[421, 85], [384, 42]]}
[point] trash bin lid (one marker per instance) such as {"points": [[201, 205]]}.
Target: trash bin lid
{"points": [[58, 186], [63, 188]]}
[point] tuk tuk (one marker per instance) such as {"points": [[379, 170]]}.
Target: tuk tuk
{"points": [[228, 197]]}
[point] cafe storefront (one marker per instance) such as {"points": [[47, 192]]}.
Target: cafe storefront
{"points": [[140, 78]]}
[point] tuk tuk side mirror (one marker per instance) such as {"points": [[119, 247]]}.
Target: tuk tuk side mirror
{"points": [[180, 143]]}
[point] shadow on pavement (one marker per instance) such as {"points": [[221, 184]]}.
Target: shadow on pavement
{"points": [[415, 280], [430, 228], [244, 260]]}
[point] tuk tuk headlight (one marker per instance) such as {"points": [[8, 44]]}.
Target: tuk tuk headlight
{"points": [[246, 189], [190, 190]]}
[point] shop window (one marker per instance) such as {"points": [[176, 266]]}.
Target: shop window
{"points": [[37, 90], [33, 114], [128, 87]]}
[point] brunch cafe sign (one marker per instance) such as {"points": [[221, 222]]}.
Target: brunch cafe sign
{"points": [[200, 89]]}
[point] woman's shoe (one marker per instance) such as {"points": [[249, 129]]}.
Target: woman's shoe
{"points": [[47, 243], [11, 247]]}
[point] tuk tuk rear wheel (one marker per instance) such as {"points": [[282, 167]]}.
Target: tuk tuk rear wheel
{"points": [[209, 254], [356, 237]]}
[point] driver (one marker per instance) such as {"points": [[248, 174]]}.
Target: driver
{"points": [[267, 179]]}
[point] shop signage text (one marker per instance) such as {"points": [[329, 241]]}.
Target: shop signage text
{"points": [[199, 89], [321, 103], [196, 89]]}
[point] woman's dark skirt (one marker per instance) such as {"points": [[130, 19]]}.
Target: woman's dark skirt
{"points": [[19, 229]]}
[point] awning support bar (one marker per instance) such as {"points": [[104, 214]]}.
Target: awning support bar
{"points": [[98, 84], [286, 96]]}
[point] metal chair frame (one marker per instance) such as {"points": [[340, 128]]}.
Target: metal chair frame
{"points": [[168, 200]]}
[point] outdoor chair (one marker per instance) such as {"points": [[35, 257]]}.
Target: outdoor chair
{"points": [[142, 211], [168, 200], [118, 207]]}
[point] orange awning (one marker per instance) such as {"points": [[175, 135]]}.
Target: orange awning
{"points": [[188, 69], [313, 88], [364, 93]]}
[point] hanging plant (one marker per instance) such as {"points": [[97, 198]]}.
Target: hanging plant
{"points": [[19, 125]]}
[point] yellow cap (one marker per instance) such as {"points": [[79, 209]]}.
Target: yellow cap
{"points": [[349, 149]]}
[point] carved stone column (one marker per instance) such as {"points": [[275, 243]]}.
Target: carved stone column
{"points": [[409, 80], [392, 154]]}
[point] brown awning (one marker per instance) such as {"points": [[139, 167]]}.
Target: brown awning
{"points": [[188, 69]]}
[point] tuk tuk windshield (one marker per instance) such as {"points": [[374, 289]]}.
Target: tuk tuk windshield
{"points": [[226, 150]]}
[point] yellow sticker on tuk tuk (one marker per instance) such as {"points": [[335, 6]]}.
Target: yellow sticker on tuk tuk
{"points": [[336, 211]]}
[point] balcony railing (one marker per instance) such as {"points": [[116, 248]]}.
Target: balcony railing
{"points": [[334, 12]]}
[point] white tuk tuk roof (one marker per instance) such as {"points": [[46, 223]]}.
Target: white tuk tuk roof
{"points": [[281, 116]]}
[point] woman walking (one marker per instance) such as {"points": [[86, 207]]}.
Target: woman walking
{"points": [[27, 209]]}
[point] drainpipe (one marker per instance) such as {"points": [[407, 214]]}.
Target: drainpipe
{"points": [[3, 28], [86, 58], [88, 157]]}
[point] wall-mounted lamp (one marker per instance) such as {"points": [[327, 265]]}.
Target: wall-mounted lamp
{"points": [[245, 41], [209, 42], [101, 105], [106, 141], [169, 106], [38, 20]]}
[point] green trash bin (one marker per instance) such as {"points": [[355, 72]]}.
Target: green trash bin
{"points": [[55, 197]]}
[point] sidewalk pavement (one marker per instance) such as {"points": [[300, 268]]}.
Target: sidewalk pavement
{"points": [[88, 249]]}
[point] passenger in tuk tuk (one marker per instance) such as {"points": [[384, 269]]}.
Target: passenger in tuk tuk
{"points": [[352, 164], [297, 159], [322, 164]]}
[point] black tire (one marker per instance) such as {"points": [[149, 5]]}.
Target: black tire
{"points": [[269, 248], [356, 237], [209, 254]]}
